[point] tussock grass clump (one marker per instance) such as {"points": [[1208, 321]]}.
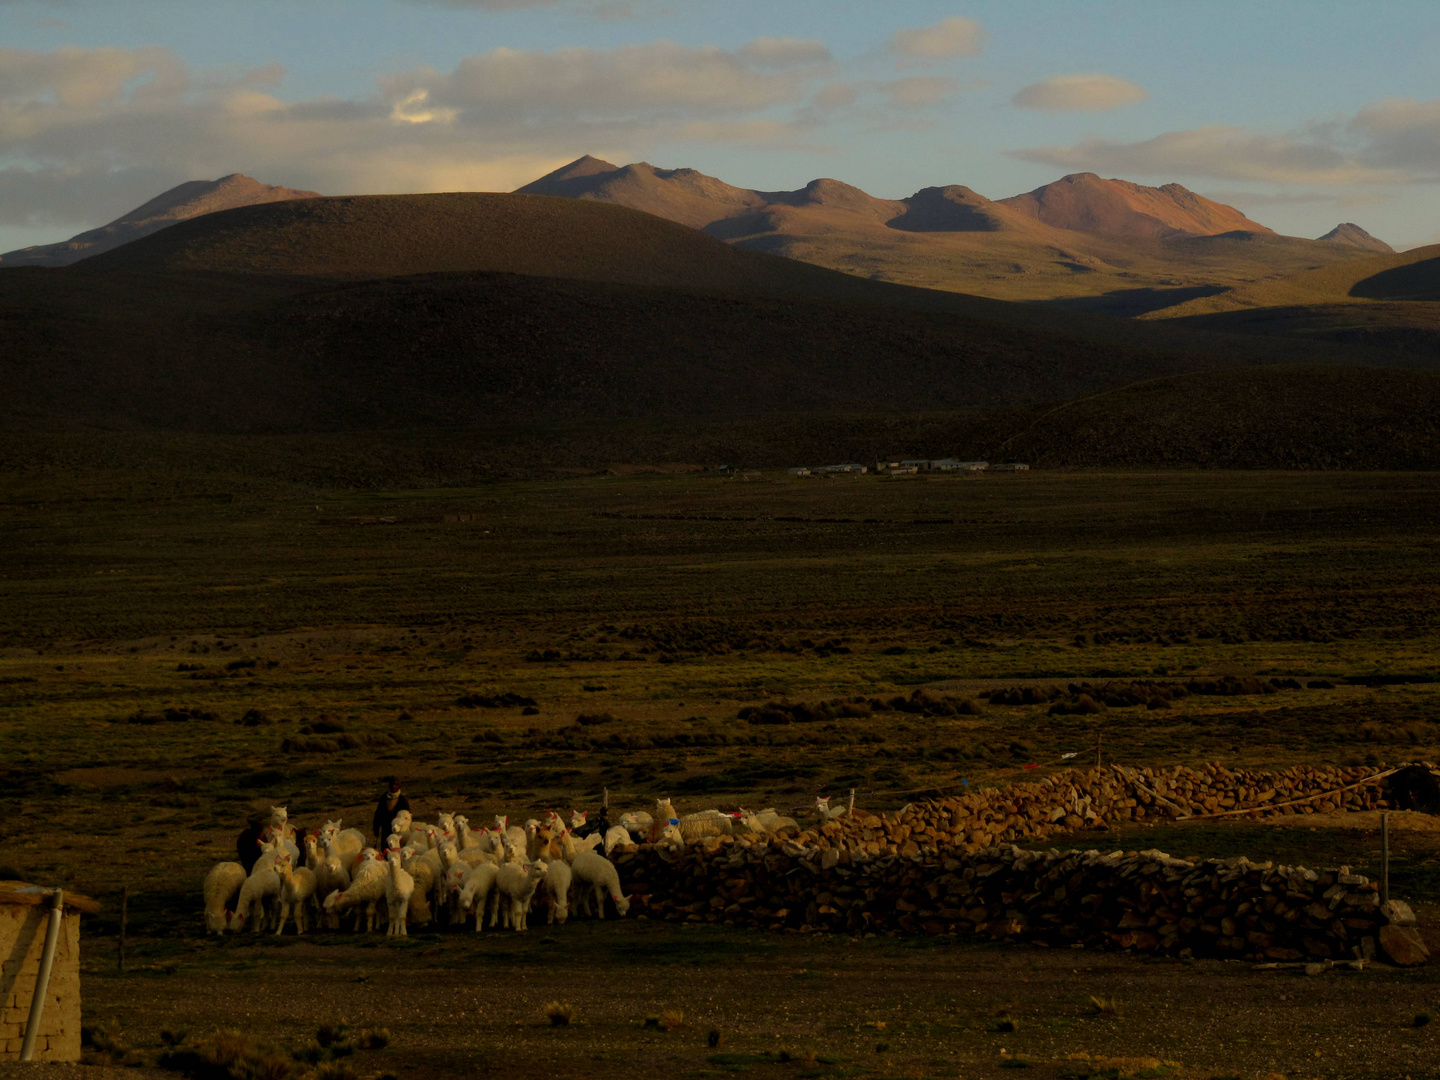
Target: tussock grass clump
{"points": [[714, 1038], [1102, 1006], [373, 1039], [559, 1013], [670, 1019], [104, 1044]]}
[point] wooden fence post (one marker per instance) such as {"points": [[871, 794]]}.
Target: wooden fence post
{"points": [[1384, 857], [124, 919]]}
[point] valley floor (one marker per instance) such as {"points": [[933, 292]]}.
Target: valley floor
{"points": [[181, 648]]}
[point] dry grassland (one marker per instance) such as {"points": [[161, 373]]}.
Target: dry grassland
{"points": [[168, 639]]}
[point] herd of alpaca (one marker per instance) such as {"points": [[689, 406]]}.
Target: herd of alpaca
{"points": [[450, 873]]}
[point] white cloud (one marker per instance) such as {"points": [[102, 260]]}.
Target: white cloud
{"points": [[919, 92], [1079, 93], [786, 52], [945, 40], [87, 134], [1226, 153], [1401, 133]]}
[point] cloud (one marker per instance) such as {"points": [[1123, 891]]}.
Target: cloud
{"points": [[87, 134], [949, 38], [1079, 93], [919, 92], [1225, 153], [786, 52], [1256, 199], [1401, 133]]}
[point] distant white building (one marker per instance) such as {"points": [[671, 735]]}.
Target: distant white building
{"points": [[835, 470], [952, 465], [799, 470], [1014, 466]]}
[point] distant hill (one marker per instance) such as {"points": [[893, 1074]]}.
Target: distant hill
{"points": [[1390, 301], [1282, 417], [1096, 243], [1347, 232], [452, 310], [1084, 202], [188, 200]]}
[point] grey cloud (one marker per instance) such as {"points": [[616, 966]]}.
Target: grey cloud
{"points": [[1226, 153]]}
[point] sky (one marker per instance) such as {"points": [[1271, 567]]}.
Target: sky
{"points": [[1302, 113]]}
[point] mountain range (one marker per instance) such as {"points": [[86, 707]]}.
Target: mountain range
{"points": [[193, 198], [570, 328], [1109, 245]]}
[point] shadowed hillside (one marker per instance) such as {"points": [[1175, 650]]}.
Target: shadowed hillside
{"points": [[1386, 301], [1267, 418]]}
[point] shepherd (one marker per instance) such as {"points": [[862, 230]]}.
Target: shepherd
{"points": [[391, 803]]}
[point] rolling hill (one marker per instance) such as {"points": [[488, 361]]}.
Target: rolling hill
{"points": [[188, 200], [1388, 301], [384, 311], [1094, 243], [559, 330]]}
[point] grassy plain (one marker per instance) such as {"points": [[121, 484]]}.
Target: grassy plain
{"points": [[252, 609]]}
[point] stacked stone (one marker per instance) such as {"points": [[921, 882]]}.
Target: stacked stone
{"points": [[1096, 798], [1140, 900]]}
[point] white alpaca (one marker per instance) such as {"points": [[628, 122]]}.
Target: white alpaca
{"points": [[638, 823], [514, 832], [329, 874], [345, 843], [422, 873], [280, 822], [671, 839], [517, 883], [557, 890], [600, 875], [366, 890], [478, 894], [578, 819], [258, 898], [297, 892], [769, 821], [222, 885], [616, 834], [825, 813], [399, 886]]}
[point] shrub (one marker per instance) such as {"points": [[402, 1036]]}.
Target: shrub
{"points": [[559, 1013]]}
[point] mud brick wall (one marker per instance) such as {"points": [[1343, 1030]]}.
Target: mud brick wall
{"points": [[22, 940]]}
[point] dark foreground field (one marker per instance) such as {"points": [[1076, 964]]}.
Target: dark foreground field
{"points": [[177, 648]]}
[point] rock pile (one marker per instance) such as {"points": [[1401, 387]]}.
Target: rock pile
{"points": [[1096, 798]]}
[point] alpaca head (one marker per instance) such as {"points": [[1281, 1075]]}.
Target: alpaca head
{"points": [[578, 819], [664, 809], [622, 905], [502, 822], [822, 805], [332, 900], [278, 816]]}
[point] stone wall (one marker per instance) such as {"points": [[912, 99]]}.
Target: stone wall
{"points": [[1140, 900], [947, 866], [22, 940]]}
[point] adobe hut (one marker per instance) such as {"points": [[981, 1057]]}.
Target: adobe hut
{"points": [[25, 914]]}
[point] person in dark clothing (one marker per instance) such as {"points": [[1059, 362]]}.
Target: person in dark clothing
{"points": [[247, 847], [391, 803]]}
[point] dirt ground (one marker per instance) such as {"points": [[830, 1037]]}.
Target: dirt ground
{"points": [[783, 1005]]}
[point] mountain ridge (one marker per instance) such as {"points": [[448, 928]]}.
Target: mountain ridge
{"points": [[193, 198]]}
